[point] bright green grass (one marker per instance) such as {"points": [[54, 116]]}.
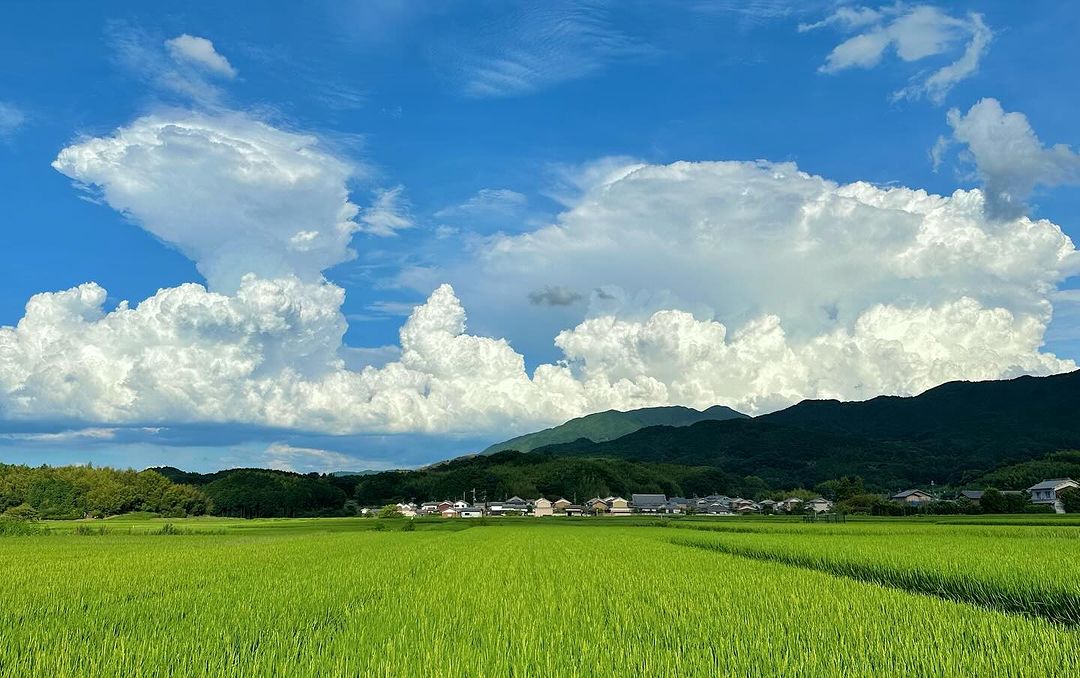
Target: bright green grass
{"points": [[1030, 570], [328, 598]]}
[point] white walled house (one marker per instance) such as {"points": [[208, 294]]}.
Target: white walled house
{"points": [[819, 505], [1047, 492], [542, 507]]}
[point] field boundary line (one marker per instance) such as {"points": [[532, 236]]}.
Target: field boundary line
{"points": [[1065, 611]]}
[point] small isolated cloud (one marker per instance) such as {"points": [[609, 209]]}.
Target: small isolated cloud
{"points": [[556, 295], [1008, 156], [486, 202], [187, 66], [387, 214], [914, 33], [11, 119], [199, 52], [89, 434], [285, 457], [93, 433]]}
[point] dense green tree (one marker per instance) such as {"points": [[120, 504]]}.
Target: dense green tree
{"points": [[993, 501], [21, 512], [257, 493], [389, 511], [841, 489], [1070, 498], [78, 491]]}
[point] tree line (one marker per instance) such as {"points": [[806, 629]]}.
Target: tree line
{"points": [[85, 491], [65, 492]]}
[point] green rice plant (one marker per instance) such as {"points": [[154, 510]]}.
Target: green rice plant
{"points": [[83, 530], [1005, 570], [516, 598], [20, 528]]}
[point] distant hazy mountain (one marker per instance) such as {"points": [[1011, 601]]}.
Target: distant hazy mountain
{"points": [[612, 424]]}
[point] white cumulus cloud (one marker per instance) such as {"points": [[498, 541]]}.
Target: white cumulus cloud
{"points": [[747, 284], [235, 195], [1009, 157]]}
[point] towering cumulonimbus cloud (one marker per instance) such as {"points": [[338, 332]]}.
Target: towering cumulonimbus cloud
{"points": [[800, 288], [233, 194]]}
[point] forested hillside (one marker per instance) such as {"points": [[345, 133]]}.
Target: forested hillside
{"points": [[613, 424], [80, 491], [954, 434], [265, 493], [505, 474]]}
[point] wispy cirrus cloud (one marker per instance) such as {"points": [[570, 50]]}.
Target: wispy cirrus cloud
{"points": [[915, 33], [11, 119], [388, 213], [185, 65], [486, 201], [542, 45]]}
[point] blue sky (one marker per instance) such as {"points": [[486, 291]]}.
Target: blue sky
{"points": [[482, 123]]}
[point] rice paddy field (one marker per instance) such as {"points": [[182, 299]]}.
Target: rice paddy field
{"points": [[526, 597]]}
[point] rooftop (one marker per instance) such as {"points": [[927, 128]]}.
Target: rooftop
{"points": [[1052, 484]]}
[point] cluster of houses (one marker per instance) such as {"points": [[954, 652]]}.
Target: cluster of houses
{"points": [[613, 506], [1047, 492]]}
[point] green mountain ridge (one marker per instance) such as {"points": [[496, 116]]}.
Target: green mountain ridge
{"points": [[612, 424], [954, 433]]}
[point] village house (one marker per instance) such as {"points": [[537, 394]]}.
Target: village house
{"points": [[973, 496], [460, 504], [542, 507], [596, 506], [648, 503], [471, 512], [407, 510], [790, 505], [560, 505], [516, 503], [713, 509], [448, 512], [617, 506], [714, 504], [913, 497], [575, 510], [740, 505], [428, 508], [819, 505], [677, 505], [1048, 491], [443, 505]]}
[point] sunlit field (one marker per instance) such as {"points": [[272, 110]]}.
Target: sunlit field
{"points": [[527, 598]]}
